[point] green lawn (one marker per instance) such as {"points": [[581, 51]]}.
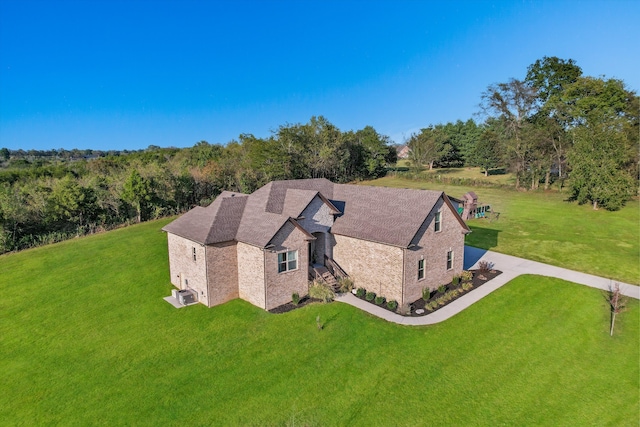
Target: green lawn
{"points": [[86, 339], [542, 226], [496, 176]]}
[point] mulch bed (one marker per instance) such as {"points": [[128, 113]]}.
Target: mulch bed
{"points": [[478, 280], [291, 306]]}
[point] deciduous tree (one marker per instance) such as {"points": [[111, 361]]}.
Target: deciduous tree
{"points": [[137, 191], [513, 103], [601, 118]]}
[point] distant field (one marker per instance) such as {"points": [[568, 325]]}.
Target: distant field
{"points": [[496, 176], [87, 339], [541, 226]]}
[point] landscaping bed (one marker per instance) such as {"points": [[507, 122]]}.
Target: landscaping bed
{"points": [[435, 299], [430, 302], [455, 292], [285, 308]]}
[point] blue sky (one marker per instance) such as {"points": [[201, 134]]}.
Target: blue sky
{"points": [[129, 74]]}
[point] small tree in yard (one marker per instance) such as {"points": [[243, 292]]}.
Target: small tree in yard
{"points": [[617, 302]]}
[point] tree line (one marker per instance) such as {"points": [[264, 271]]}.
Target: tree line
{"points": [[555, 123], [48, 196]]}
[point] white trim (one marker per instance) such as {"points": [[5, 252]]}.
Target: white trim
{"points": [[437, 222], [287, 261]]}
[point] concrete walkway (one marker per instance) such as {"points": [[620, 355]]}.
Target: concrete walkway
{"points": [[511, 268]]}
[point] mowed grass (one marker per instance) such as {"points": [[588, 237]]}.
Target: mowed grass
{"points": [[543, 226], [495, 176], [87, 339]]}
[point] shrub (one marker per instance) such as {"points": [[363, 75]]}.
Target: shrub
{"points": [[346, 284], [295, 298], [379, 300], [442, 289], [426, 294], [321, 291], [361, 292], [456, 280], [433, 305], [485, 266], [370, 296], [467, 286], [441, 301], [392, 305], [454, 293], [466, 276], [428, 307]]}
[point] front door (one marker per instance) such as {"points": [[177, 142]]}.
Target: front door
{"points": [[312, 253]]}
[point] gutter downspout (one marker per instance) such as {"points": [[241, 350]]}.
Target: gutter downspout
{"points": [[264, 275], [404, 258], [206, 275]]}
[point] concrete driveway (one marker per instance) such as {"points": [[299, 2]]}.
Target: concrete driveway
{"points": [[511, 268]]}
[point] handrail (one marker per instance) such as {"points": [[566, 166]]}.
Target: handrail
{"points": [[334, 268]]}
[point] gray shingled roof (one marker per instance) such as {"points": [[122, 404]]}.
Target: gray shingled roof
{"points": [[216, 223], [278, 191], [257, 226], [386, 215]]}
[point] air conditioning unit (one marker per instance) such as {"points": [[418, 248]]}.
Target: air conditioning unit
{"points": [[187, 296]]}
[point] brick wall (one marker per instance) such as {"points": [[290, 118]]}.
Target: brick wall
{"points": [[251, 274], [373, 266], [184, 271], [433, 247], [222, 272], [280, 286]]}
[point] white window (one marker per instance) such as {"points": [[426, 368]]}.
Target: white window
{"points": [[420, 269], [287, 261], [193, 252], [437, 223], [449, 260]]}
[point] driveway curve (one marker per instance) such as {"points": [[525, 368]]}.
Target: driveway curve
{"points": [[511, 268]]}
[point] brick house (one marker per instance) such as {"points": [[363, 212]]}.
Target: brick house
{"points": [[265, 246]]}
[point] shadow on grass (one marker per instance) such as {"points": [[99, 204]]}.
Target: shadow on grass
{"points": [[448, 171], [480, 237], [498, 171], [444, 171], [480, 241], [329, 320]]}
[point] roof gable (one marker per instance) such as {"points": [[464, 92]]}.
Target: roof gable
{"points": [[390, 216], [216, 223], [385, 215]]}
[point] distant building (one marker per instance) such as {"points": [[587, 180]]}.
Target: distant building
{"points": [[403, 151]]}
